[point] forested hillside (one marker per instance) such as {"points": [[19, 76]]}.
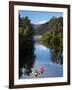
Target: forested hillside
{"points": [[42, 28]]}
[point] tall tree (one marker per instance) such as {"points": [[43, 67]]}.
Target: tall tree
{"points": [[26, 46], [54, 39]]}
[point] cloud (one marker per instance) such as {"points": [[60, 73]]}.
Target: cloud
{"points": [[41, 22], [40, 47]]}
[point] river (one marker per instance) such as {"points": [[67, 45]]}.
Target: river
{"points": [[43, 55], [43, 62]]}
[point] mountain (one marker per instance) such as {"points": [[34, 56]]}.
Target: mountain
{"points": [[41, 28], [36, 26], [45, 27]]}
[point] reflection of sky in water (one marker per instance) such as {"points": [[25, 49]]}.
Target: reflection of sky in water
{"points": [[43, 60], [42, 54]]}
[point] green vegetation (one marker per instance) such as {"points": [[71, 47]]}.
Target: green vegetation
{"points": [[26, 45], [54, 39]]}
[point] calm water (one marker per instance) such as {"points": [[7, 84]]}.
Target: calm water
{"points": [[43, 62], [43, 55]]}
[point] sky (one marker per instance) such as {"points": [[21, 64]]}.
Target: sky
{"points": [[39, 17]]}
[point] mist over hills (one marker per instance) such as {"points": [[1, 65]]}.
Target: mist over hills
{"points": [[41, 28]]}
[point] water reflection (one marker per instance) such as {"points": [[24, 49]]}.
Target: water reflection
{"points": [[26, 54], [40, 63], [42, 53], [43, 66]]}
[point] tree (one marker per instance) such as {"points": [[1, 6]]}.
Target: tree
{"points": [[54, 39], [20, 21], [26, 46]]}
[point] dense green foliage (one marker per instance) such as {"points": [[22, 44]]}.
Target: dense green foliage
{"points": [[26, 45], [54, 39]]}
